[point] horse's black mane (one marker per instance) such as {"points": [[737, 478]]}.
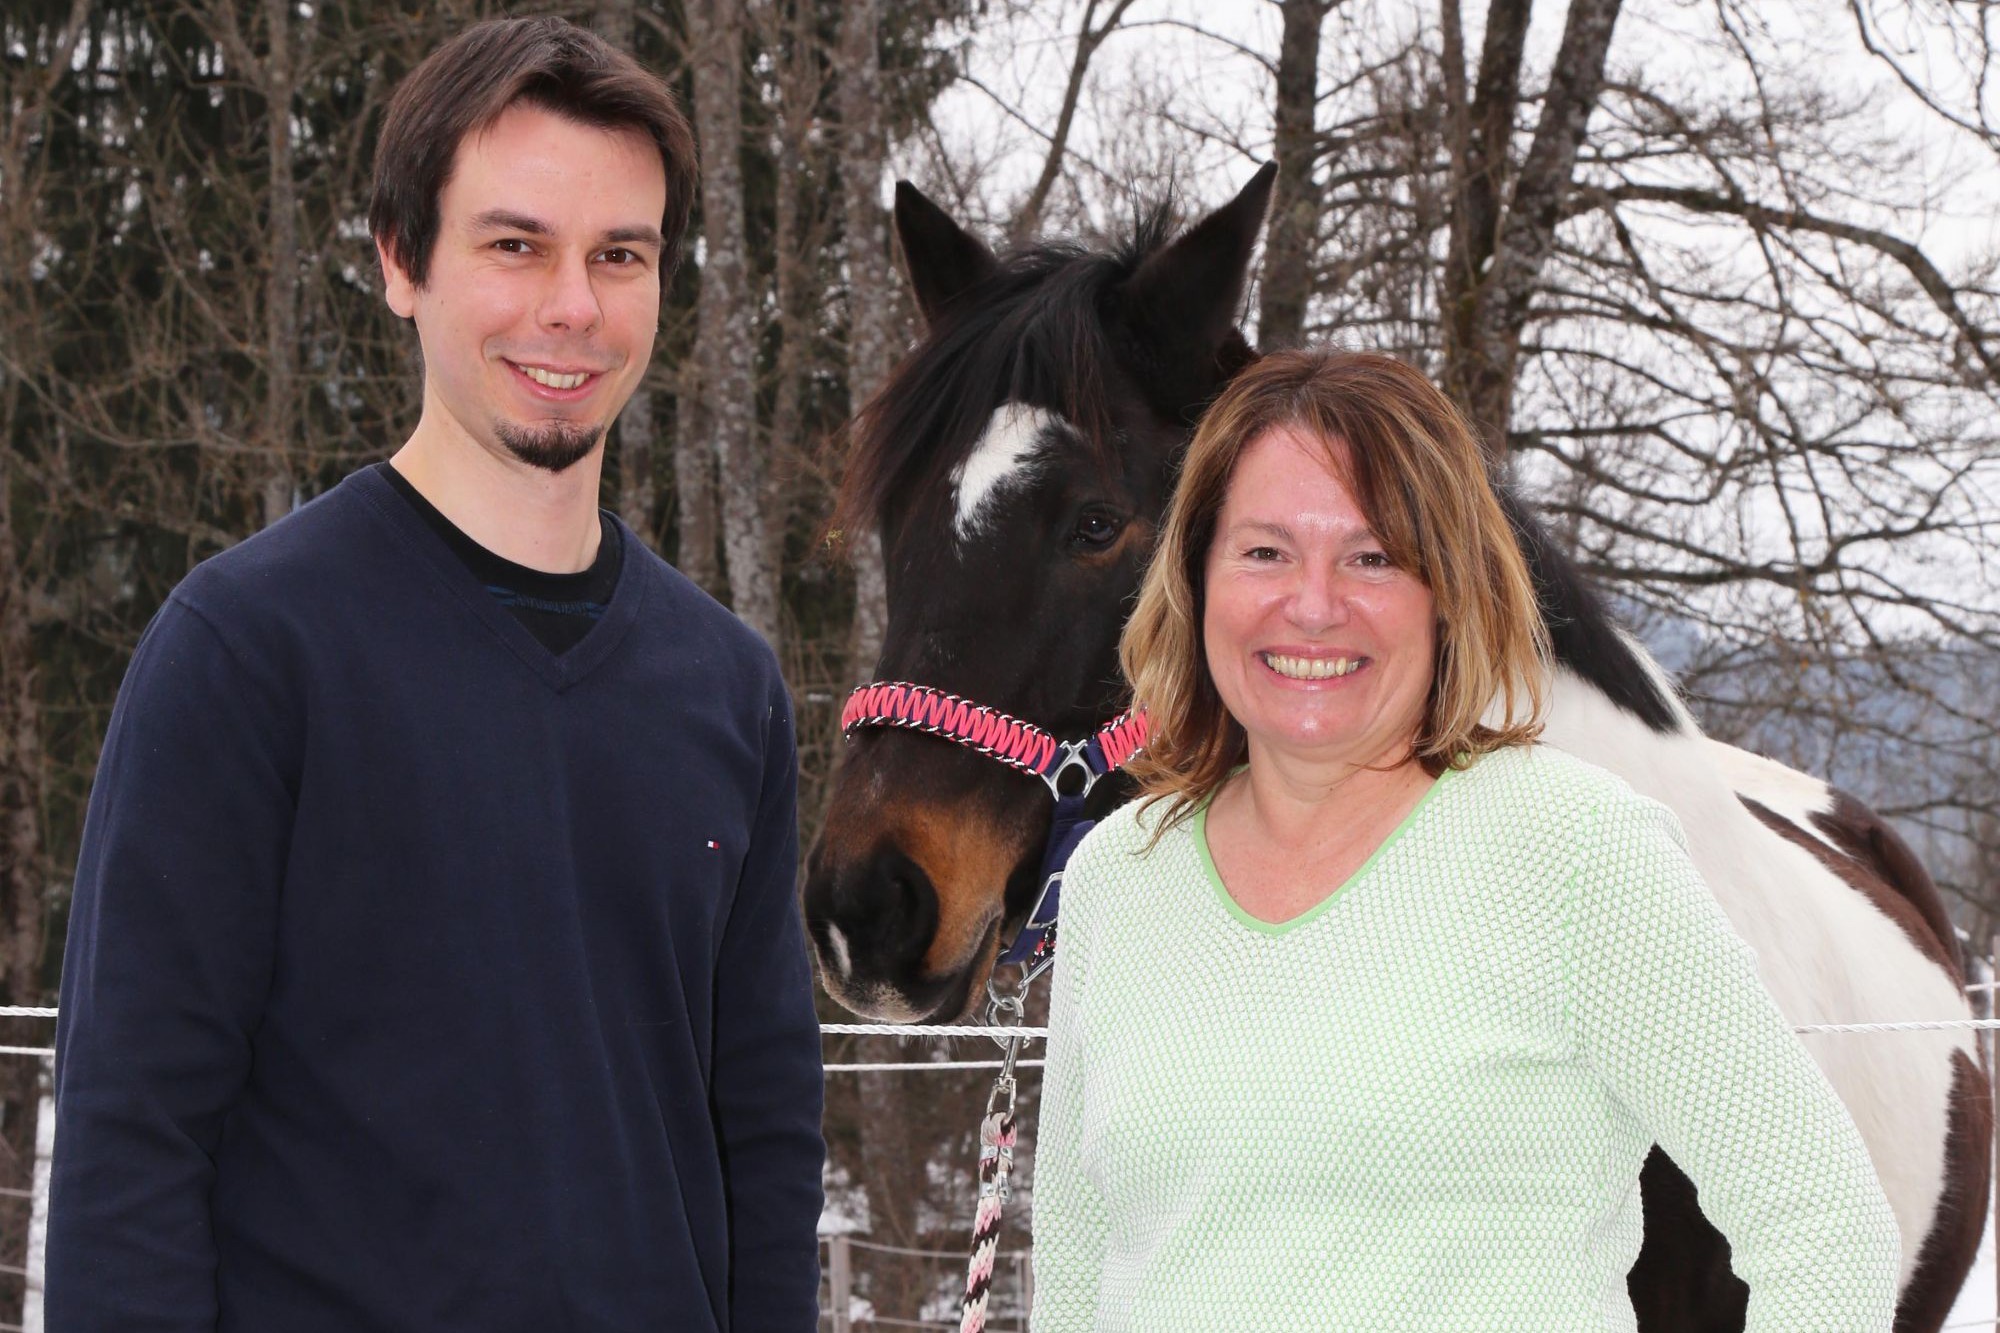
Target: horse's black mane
{"points": [[1033, 330], [1583, 634]]}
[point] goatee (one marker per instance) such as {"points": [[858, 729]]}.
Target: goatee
{"points": [[554, 446]]}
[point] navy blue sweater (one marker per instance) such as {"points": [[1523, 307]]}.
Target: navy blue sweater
{"points": [[421, 979]]}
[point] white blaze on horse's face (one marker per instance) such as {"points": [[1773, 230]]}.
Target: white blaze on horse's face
{"points": [[1005, 455]]}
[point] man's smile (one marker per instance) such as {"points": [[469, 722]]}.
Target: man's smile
{"points": [[552, 382]]}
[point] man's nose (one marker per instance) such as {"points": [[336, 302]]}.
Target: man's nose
{"points": [[570, 301]]}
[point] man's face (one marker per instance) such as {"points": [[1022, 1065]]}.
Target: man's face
{"points": [[544, 292]]}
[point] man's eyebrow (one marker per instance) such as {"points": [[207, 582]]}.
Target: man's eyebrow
{"points": [[639, 235], [501, 219]]}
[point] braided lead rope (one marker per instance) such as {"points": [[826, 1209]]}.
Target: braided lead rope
{"points": [[996, 1152], [996, 1163]]}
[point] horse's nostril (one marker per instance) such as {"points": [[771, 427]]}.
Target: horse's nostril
{"points": [[907, 905], [873, 918]]}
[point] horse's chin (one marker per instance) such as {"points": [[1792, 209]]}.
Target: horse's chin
{"points": [[953, 995]]}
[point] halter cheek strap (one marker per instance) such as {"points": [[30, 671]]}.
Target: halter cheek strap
{"points": [[1019, 745]]}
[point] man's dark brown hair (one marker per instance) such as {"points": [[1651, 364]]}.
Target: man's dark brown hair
{"points": [[463, 87]]}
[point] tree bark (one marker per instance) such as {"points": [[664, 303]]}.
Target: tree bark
{"points": [[694, 486], [725, 330], [1295, 203], [616, 22], [871, 293], [281, 292], [1481, 135], [26, 873], [798, 235], [1495, 259], [636, 492]]}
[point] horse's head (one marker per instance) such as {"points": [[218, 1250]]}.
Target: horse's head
{"points": [[1015, 465]]}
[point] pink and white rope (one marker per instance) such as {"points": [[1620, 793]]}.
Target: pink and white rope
{"points": [[996, 1161]]}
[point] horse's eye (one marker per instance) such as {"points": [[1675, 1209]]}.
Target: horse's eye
{"points": [[1096, 529]]}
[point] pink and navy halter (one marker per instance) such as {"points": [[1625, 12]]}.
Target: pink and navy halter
{"points": [[1017, 744]]}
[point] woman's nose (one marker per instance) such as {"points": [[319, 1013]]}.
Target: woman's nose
{"points": [[1319, 598]]}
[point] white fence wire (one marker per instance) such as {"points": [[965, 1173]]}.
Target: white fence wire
{"points": [[842, 1312]]}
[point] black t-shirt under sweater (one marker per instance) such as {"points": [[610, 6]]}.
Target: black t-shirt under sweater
{"points": [[557, 609], [420, 978]]}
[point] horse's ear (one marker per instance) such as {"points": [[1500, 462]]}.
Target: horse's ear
{"points": [[1182, 301], [942, 258]]}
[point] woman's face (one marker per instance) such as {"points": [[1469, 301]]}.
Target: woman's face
{"points": [[1318, 646]]}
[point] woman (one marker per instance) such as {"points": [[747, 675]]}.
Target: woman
{"points": [[1367, 1017]]}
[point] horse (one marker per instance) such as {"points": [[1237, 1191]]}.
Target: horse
{"points": [[1016, 466]]}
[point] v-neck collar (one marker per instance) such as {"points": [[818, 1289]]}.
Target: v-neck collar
{"points": [[1338, 893], [558, 671]]}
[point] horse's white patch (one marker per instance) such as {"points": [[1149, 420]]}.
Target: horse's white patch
{"points": [[1826, 953], [836, 943], [1004, 454], [1783, 791]]}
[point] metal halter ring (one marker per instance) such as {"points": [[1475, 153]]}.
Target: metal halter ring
{"points": [[1075, 754]]}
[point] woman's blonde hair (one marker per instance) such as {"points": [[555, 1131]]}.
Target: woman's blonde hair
{"points": [[1415, 469]]}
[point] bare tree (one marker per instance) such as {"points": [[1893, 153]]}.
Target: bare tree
{"points": [[726, 334], [1497, 257], [872, 309], [1090, 35], [617, 22], [1294, 229], [1700, 320]]}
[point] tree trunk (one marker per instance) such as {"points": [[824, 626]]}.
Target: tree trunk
{"points": [[724, 327], [1495, 260], [281, 298], [1295, 206], [635, 466], [871, 294], [26, 874], [694, 486], [796, 238], [1481, 134], [616, 22]]}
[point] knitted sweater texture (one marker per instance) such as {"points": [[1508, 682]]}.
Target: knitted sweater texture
{"points": [[1424, 1103], [422, 980]]}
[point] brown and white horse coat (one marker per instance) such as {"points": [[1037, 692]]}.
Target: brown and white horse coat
{"points": [[1017, 466]]}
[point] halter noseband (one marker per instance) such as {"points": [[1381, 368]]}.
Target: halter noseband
{"points": [[1017, 744]]}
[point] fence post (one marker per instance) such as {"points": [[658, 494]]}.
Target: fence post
{"points": [[1025, 1259], [1990, 1008], [840, 1281], [38, 1207]]}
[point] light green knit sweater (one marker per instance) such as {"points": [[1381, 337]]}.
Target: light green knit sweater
{"points": [[1423, 1105]]}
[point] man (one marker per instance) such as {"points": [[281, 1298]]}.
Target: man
{"points": [[434, 961]]}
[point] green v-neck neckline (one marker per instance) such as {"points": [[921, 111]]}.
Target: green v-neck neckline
{"points": [[558, 671], [1341, 891]]}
